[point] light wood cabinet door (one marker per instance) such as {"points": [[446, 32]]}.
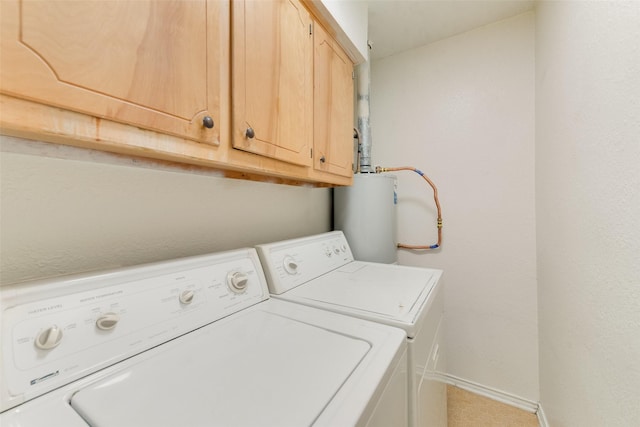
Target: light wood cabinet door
{"points": [[272, 79], [152, 64], [333, 106]]}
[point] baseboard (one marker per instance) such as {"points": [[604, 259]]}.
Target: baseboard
{"points": [[542, 419], [491, 393]]}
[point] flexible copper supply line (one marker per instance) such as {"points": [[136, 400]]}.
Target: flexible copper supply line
{"points": [[435, 198]]}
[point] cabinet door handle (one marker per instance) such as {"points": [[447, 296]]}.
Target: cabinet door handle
{"points": [[250, 133], [207, 122], [322, 159]]}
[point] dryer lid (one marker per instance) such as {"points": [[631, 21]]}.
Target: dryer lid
{"points": [[255, 369], [382, 290]]}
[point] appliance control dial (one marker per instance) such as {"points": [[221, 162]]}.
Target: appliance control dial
{"points": [[237, 281], [290, 265], [107, 321], [186, 297], [49, 338]]}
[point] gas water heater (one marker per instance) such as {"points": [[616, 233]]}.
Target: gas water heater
{"points": [[366, 213]]}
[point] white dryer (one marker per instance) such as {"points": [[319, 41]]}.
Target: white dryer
{"points": [[320, 271], [191, 342]]}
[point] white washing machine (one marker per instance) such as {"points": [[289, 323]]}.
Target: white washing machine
{"points": [[191, 342], [320, 271]]}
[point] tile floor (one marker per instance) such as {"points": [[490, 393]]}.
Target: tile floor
{"points": [[466, 409]]}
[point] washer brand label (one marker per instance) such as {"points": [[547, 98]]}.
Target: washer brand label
{"points": [[46, 377]]}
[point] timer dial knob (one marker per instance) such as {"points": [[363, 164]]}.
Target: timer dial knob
{"points": [[186, 297], [49, 338], [290, 265], [107, 321], [237, 281]]}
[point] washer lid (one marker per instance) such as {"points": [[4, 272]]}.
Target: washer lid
{"points": [[382, 290], [257, 369]]}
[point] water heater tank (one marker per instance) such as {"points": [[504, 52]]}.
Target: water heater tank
{"points": [[366, 213]]}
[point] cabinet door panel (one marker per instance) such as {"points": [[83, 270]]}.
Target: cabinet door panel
{"points": [[273, 79], [333, 106], [139, 62]]}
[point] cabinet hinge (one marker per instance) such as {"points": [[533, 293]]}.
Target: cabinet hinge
{"points": [[311, 153]]}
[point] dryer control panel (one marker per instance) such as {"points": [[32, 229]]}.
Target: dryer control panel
{"points": [[58, 330], [290, 263]]}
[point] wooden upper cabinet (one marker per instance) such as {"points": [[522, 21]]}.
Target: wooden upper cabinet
{"points": [[272, 79], [152, 64], [151, 78], [333, 106]]}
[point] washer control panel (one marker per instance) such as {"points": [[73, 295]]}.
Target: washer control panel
{"points": [[89, 322], [290, 263]]}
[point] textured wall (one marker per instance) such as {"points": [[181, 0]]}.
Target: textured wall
{"points": [[66, 210], [462, 111], [588, 211]]}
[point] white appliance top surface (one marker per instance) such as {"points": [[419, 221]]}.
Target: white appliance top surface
{"points": [[254, 370], [273, 364], [391, 291], [188, 342], [320, 271]]}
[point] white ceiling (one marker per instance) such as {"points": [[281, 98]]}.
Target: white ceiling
{"points": [[399, 25]]}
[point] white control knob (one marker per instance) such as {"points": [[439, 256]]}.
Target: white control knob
{"points": [[237, 281], [186, 297], [49, 338], [107, 321], [290, 265]]}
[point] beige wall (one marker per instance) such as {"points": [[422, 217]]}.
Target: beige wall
{"points": [[588, 211], [66, 210], [462, 111]]}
